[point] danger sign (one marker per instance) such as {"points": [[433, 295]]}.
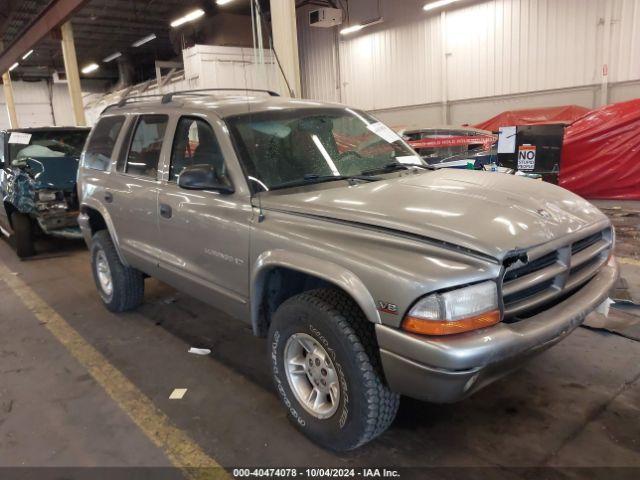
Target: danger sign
{"points": [[527, 157]]}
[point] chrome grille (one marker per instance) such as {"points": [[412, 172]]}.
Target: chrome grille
{"points": [[551, 276]]}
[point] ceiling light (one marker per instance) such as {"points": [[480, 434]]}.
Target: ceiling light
{"points": [[12, 67], [438, 4], [111, 57], [351, 29], [223, 2], [360, 26], [144, 40], [26, 55], [92, 67], [189, 17]]}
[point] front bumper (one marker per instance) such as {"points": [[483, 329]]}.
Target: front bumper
{"points": [[59, 223], [447, 369]]}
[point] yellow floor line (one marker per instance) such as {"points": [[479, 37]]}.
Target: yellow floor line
{"points": [[628, 261], [179, 448]]}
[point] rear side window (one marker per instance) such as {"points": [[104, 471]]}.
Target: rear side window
{"points": [[102, 141], [146, 144]]}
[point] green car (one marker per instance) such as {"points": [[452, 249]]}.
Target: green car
{"points": [[38, 174]]}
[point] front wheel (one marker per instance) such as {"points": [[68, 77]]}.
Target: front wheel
{"points": [[23, 231], [121, 287], [326, 369]]}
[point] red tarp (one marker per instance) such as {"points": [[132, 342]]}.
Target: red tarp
{"points": [[601, 153], [534, 116]]}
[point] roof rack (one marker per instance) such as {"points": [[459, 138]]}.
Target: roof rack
{"points": [[135, 98], [169, 96]]}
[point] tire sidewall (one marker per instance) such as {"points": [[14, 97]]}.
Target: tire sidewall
{"points": [[96, 247], [23, 230], [343, 429]]}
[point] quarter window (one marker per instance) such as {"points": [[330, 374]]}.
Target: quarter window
{"points": [[103, 139], [146, 145], [195, 143]]}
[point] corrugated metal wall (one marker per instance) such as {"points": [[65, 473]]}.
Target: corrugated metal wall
{"points": [[490, 48], [318, 60], [32, 105], [42, 104]]}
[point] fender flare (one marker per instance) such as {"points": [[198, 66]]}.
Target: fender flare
{"points": [[328, 271], [98, 207]]}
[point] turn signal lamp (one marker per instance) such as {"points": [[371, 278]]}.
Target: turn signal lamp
{"points": [[456, 311]]}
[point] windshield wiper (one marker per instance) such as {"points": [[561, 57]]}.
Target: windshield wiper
{"points": [[311, 178], [394, 166]]}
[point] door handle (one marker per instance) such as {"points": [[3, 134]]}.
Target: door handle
{"points": [[108, 197], [165, 210]]}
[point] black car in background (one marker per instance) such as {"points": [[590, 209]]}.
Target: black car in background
{"points": [[38, 169]]}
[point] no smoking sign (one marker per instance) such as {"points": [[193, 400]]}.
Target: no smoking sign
{"points": [[527, 157]]}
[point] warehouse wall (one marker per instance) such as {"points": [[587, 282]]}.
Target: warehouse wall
{"points": [[525, 52], [41, 103]]}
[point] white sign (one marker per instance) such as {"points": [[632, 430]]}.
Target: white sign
{"points": [[507, 140], [384, 132], [20, 137], [527, 158]]}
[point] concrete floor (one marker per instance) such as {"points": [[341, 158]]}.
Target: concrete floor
{"points": [[576, 405]]}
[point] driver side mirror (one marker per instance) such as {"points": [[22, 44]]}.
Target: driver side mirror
{"points": [[203, 177]]}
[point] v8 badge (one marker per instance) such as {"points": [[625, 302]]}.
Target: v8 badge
{"points": [[387, 307]]}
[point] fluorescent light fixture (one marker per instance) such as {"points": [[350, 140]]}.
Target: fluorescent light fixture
{"points": [[111, 57], [26, 55], [438, 4], [189, 17], [13, 67], [223, 2], [92, 67], [351, 29], [144, 40], [359, 26]]}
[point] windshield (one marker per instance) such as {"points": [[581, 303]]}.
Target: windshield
{"points": [[46, 144], [281, 148]]}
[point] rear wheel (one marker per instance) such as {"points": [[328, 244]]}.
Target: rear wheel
{"points": [[121, 287], [23, 232], [326, 369]]}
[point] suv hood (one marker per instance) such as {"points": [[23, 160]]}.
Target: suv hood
{"points": [[490, 213]]}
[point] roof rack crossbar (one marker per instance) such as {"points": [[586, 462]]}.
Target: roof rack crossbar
{"points": [[169, 96], [136, 98]]}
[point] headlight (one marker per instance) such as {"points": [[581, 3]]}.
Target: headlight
{"points": [[47, 196], [456, 311]]}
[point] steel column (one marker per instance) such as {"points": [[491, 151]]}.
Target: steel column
{"points": [[285, 42], [73, 76], [8, 98]]}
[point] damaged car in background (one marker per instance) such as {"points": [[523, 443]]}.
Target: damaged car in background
{"points": [[38, 184], [452, 147]]}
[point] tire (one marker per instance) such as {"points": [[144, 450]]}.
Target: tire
{"points": [[23, 230], [366, 406], [126, 290]]}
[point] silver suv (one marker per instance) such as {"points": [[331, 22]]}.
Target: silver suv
{"points": [[371, 274]]}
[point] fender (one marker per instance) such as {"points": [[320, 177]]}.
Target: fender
{"points": [[83, 221], [330, 272]]}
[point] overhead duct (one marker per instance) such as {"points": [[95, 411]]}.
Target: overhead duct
{"points": [[125, 72], [223, 29]]}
